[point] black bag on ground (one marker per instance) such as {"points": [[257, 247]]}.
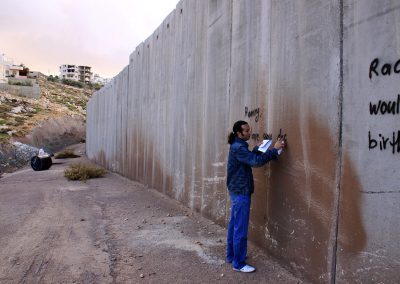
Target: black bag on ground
{"points": [[41, 163]]}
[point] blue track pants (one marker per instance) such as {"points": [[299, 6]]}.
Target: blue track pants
{"points": [[238, 229]]}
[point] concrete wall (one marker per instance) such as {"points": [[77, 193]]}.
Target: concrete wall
{"points": [[368, 247], [328, 208], [24, 91]]}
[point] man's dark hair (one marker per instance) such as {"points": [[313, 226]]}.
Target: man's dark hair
{"points": [[237, 127]]}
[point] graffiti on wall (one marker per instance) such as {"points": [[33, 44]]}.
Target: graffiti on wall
{"points": [[252, 113], [255, 113], [379, 141]]}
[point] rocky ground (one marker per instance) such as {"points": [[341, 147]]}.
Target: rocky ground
{"points": [[60, 110]]}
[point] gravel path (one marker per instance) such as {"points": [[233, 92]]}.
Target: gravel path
{"points": [[110, 230]]}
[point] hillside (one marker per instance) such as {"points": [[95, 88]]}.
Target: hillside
{"points": [[58, 115]]}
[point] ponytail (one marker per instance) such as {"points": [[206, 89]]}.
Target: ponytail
{"points": [[231, 137], [237, 127]]}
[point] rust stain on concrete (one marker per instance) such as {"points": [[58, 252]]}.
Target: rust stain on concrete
{"points": [[296, 198], [352, 236]]}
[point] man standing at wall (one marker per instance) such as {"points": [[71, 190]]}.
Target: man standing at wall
{"points": [[241, 185]]}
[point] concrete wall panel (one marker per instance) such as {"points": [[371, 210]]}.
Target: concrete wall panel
{"points": [[249, 92], [370, 254], [304, 102], [216, 110]]}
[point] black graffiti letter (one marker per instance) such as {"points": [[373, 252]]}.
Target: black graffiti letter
{"points": [[396, 142], [372, 143], [396, 65], [373, 66], [386, 69]]}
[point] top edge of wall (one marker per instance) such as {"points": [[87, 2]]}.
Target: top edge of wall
{"points": [[158, 31]]}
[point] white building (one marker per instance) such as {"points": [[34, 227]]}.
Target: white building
{"points": [[6, 63], [76, 73], [2, 73], [100, 80], [70, 72]]}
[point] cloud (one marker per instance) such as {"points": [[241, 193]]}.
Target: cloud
{"points": [[44, 34]]}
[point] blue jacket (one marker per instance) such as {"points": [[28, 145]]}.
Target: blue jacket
{"points": [[240, 160]]}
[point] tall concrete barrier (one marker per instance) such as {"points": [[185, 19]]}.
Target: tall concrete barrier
{"points": [[323, 72]]}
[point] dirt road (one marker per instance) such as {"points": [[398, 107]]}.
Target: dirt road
{"points": [[110, 230]]}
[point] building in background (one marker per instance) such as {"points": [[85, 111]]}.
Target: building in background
{"points": [[34, 74], [76, 73], [85, 74], [100, 80], [70, 72], [10, 69], [2, 73], [7, 64]]}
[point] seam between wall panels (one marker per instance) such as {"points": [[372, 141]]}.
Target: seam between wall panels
{"points": [[229, 97], [126, 173], [340, 146]]}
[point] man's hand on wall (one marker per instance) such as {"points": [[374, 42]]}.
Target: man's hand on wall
{"points": [[281, 142]]}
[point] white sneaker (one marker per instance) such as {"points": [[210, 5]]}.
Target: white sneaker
{"points": [[245, 269]]}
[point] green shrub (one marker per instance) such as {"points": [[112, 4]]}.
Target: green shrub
{"points": [[2, 121], [95, 86], [53, 79], [4, 137], [72, 107], [65, 155], [24, 83], [83, 172], [72, 83]]}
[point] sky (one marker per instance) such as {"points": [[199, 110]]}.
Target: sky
{"points": [[44, 34]]}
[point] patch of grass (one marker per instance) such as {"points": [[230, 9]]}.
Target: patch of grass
{"points": [[38, 109], [2, 121], [4, 138], [22, 83], [72, 107], [83, 172], [19, 120], [65, 155], [5, 108], [72, 83]]}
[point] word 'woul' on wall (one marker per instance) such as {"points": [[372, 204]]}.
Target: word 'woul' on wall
{"points": [[385, 107]]}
